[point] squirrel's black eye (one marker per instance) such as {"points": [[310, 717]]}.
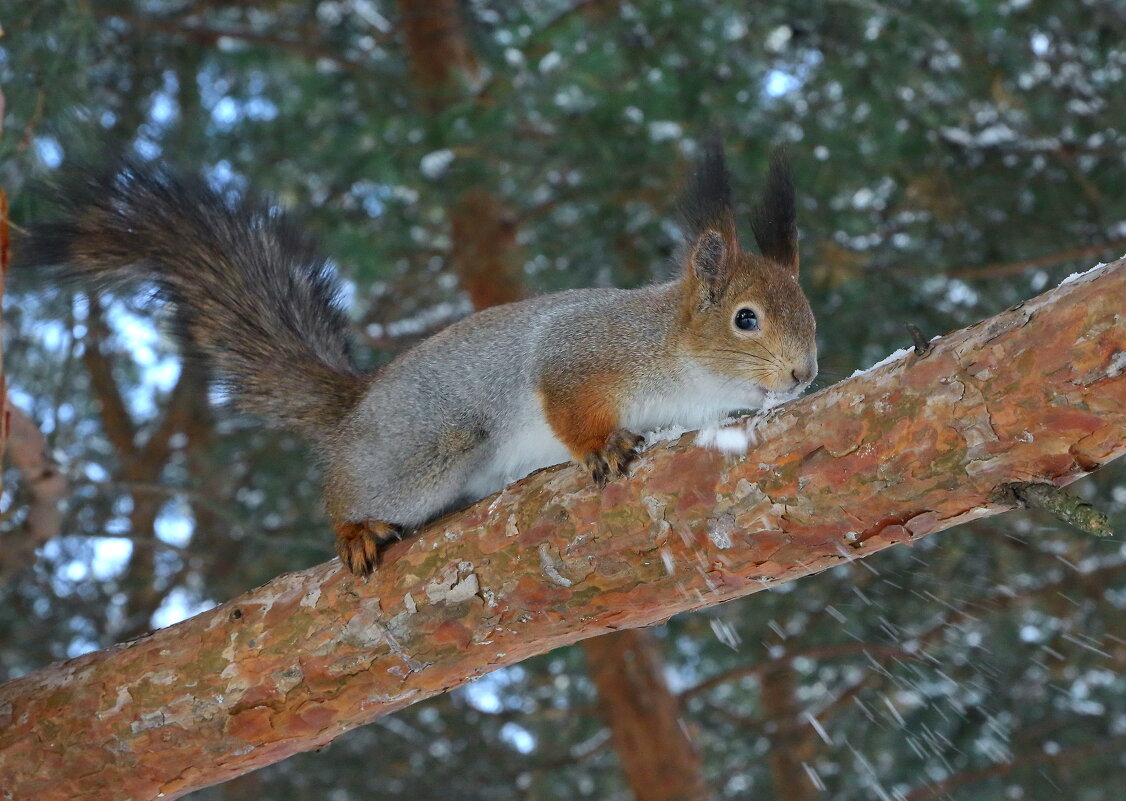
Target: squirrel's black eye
{"points": [[746, 320]]}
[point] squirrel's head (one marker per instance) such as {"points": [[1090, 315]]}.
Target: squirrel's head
{"points": [[746, 315]]}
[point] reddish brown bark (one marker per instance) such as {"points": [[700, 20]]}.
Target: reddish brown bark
{"points": [[1037, 393], [644, 717], [790, 746], [485, 255], [441, 61], [484, 252]]}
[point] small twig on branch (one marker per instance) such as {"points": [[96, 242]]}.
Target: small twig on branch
{"points": [[922, 344], [1060, 503]]}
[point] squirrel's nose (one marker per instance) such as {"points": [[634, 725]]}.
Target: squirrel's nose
{"points": [[804, 374]]}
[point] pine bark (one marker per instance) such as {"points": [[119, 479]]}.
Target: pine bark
{"points": [[1037, 393]]}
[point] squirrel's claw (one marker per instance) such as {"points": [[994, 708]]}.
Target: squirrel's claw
{"points": [[358, 543], [616, 457]]}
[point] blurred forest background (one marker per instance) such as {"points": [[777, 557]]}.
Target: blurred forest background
{"points": [[952, 158]]}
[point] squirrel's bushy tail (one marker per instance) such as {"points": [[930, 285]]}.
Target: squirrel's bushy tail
{"points": [[251, 294]]}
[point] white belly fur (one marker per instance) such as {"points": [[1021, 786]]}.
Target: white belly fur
{"points": [[527, 445], [700, 398]]}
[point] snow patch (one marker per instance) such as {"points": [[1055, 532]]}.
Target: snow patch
{"points": [[1077, 276], [666, 434], [721, 530], [726, 440], [435, 163], [891, 357]]}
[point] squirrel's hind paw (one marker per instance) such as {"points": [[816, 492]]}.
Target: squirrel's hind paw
{"points": [[616, 457], [358, 543]]}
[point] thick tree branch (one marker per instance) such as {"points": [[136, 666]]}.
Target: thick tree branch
{"points": [[1005, 269], [205, 36], [1038, 758], [1037, 393], [116, 420]]}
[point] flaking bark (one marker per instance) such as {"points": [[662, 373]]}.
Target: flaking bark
{"points": [[1035, 394]]}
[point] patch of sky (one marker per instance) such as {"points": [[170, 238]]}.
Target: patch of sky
{"points": [[784, 80], [573, 98], [53, 335], [735, 28], [95, 472], [48, 151], [779, 83], [147, 149], [346, 296], [159, 371], [225, 112], [79, 646], [180, 604], [163, 109], [371, 196], [174, 525], [482, 695], [111, 555], [518, 737], [950, 293], [960, 294], [82, 558], [366, 10], [222, 178]]}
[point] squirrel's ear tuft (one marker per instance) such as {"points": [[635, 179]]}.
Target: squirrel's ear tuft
{"points": [[707, 260], [710, 221], [706, 202], [774, 219]]}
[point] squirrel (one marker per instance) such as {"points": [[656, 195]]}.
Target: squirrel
{"points": [[576, 375]]}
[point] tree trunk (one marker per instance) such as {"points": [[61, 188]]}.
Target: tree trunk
{"points": [[484, 254], [441, 61], [1037, 393], [644, 717], [789, 745]]}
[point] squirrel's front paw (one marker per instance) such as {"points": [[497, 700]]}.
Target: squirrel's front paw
{"points": [[615, 458], [358, 543]]}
